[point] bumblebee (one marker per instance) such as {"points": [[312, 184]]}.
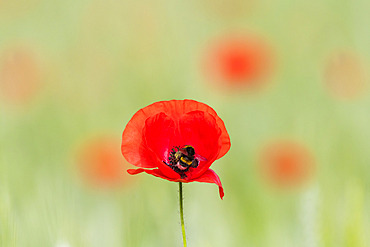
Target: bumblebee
{"points": [[181, 159]]}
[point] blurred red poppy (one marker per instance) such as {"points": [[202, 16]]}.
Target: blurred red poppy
{"points": [[345, 75], [287, 163], [100, 162], [179, 138], [20, 74], [239, 60]]}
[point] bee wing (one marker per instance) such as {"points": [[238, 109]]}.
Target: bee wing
{"points": [[200, 157]]}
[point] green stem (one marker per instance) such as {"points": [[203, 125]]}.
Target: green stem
{"points": [[182, 215]]}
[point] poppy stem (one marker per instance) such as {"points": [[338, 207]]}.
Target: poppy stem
{"points": [[182, 215]]}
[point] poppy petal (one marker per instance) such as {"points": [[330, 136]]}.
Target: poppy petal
{"points": [[158, 134], [132, 145], [211, 177], [154, 172], [199, 130], [208, 177], [191, 105]]}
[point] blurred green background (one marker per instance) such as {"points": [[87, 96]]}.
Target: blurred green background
{"points": [[72, 73]]}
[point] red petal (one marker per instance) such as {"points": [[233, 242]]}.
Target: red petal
{"points": [[154, 172], [199, 129], [159, 135], [208, 177], [191, 105], [211, 177], [132, 139]]}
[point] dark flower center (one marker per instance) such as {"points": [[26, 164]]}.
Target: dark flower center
{"points": [[181, 159]]}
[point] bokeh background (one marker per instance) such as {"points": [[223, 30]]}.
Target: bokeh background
{"points": [[289, 78]]}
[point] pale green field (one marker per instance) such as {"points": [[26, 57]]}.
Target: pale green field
{"points": [[101, 61]]}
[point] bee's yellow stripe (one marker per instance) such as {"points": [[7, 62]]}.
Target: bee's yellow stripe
{"points": [[187, 162]]}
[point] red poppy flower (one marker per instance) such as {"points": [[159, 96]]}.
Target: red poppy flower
{"points": [[20, 74], [100, 162], [287, 163], [239, 61], [180, 139], [345, 75]]}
